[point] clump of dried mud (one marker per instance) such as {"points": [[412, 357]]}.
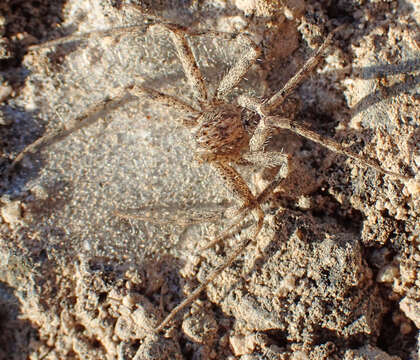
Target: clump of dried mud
{"points": [[335, 271]]}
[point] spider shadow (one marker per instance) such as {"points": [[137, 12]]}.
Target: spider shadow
{"points": [[378, 72], [34, 19], [22, 130], [384, 70]]}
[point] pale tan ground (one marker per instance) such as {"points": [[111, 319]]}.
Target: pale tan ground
{"points": [[335, 273]]}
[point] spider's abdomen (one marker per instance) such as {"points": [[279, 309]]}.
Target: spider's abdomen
{"points": [[221, 132]]}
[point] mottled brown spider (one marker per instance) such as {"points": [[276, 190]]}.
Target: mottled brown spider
{"points": [[221, 135]]}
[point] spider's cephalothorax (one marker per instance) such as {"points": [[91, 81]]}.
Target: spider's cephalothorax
{"points": [[220, 131]]}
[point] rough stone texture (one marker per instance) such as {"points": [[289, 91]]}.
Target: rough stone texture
{"points": [[368, 352], [335, 271]]}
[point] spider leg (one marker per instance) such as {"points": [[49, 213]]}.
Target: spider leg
{"points": [[266, 159], [177, 35], [98, 111], [235, 225], [282, 123], [240, 190], [164, 99], [91, 35], [261, 198], [260, 137], [171, 214], [241, 67], [92, 114], [196, 293], [170, 101], [278, 98], [188, 62]]}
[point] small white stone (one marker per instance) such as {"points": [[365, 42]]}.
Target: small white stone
{"points": [[39, 192], [5, 92], [12, 213], [247, 6], [387, 274], [413, 186], [304, 202], [411, 309], [242, 345]]}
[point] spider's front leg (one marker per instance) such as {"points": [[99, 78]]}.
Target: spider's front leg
{"points": [[294, 126], [188, 62], [269, 122]]}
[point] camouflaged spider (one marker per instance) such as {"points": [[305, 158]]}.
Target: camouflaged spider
{"points": [[222, 135]]}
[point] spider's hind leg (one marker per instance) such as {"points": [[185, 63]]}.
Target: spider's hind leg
{"points": [[90, 116], [233, 227], [241, 192]]}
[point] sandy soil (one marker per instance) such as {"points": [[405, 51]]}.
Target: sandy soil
{"points": [[334, 273]]}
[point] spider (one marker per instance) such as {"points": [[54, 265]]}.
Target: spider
{"points": [[222, 135]]}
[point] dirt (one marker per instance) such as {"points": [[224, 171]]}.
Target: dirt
{"points": [[334, 274]]}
